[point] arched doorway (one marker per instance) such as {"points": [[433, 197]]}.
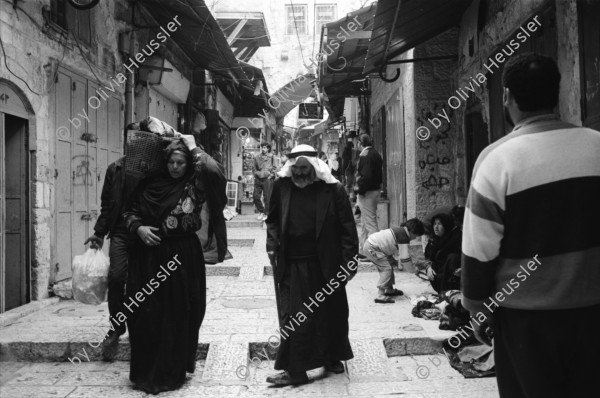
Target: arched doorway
{"points": [[16, 121]]}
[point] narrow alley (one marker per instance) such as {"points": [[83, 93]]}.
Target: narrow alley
{"points": [[395, 353]]}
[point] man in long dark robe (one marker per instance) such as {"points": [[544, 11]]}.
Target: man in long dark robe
{"points": [[312, 244]]}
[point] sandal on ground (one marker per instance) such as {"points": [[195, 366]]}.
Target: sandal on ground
{"points": [[386, 300], [394, 292]]}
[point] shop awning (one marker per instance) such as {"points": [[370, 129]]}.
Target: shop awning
{"points": [[345, 60], [305, 132], [245, 31], [403, 24], [253, 101], [199, 36], [293, 93]]}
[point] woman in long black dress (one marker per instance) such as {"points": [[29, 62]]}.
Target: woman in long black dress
{"points": [[166, 285]]}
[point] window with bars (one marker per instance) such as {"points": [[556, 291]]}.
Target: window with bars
{"points": [[324, 13], [296, 17]]}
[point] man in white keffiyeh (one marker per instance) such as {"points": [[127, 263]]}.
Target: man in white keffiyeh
{"points": [[301, 173], [312, 244]]}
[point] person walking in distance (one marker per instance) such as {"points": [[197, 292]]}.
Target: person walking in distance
{"points": [[110, 224], [312, 245], [369, 175], [537, 284], [264, 174]]}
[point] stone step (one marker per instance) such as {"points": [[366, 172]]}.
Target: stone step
{"points": [[252, 273], [90, 350], [225, 362], [223, 269], [368, 374], [244, 224]]}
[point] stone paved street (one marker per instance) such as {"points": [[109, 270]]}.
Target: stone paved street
{"points": [[395, 353]]}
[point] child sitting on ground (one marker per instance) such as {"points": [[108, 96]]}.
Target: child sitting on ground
{"points": [[381, 246]]}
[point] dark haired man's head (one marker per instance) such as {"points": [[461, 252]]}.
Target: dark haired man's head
{"points": [[265, 147], [415, 228], [458, 214], [531, 83], [365, 140]]}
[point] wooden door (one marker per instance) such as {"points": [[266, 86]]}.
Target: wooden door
{"points": [[15, 118], [476, 134], [16, 205], [589, 50], [88, 138], [542, 41], [396, 165], [379, 143]]}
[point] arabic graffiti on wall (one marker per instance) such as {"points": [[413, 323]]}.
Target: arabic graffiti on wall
{"points": [[435, 157], [82, 175]]}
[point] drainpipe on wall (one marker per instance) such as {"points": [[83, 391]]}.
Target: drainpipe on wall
{"points": [[130, 84]]}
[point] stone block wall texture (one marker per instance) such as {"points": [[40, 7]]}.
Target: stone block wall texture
{"points": [[503, 21], [437, 175], [434, 171]]}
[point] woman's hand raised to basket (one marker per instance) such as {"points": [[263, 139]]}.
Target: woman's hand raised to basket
{"points": [[147, 236], [189, 141]]}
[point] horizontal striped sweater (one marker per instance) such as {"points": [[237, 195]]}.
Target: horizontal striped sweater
{"points": [[534, 197]]}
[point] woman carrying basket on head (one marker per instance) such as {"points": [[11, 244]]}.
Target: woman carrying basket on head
{"points": [[166, 285]]}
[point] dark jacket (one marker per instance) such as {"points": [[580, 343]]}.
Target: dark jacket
{"points": [[337, 239], [369, 172], [112, 199], [263, 165]]}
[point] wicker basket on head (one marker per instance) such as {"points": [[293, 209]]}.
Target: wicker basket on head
{"points": [[144, 153]]}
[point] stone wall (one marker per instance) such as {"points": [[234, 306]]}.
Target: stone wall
{"points": [[438, 162], [503, 21], [33, 56], [434, 167]]}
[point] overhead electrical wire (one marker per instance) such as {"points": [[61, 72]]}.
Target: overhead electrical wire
{"points": [[12, 73], [297, 34]]}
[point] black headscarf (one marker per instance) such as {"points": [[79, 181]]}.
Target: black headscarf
{"points": [[161, 192], [439, 248]]}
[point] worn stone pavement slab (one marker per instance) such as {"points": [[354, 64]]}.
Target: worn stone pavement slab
{"points": [[238, 310], [395, 353], [111, 380]]}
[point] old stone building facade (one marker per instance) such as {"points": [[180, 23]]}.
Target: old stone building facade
{"points": [[70, 81], [52, 70], [457, 100]]}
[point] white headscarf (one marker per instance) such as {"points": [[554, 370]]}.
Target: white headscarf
{"points": [[321, 168]]}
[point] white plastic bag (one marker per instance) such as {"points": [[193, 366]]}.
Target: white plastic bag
{"points": [[90, 277]]}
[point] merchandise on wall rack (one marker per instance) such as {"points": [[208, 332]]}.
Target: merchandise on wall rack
{"points": [[249, 152]]}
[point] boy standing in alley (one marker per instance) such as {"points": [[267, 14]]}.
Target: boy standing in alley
{"points": [[381, 246]]}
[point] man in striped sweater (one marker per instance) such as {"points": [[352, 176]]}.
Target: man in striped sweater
{"points": [[531, 246]]}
